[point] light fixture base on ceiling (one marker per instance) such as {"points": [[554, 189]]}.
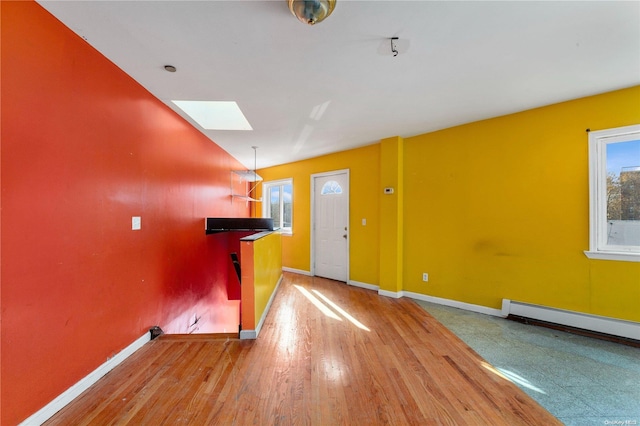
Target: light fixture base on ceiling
{"points": [[311, 11], [394, 46]]}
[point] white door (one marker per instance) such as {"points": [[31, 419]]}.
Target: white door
{"points": [[330, 225]]}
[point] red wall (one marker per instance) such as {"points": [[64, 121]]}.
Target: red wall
{"points": [[85, 148]]}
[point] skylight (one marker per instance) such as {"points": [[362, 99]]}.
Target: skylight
{"points": [[215, 115]]}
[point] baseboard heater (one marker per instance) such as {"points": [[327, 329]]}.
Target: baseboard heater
{"points": [[598, 326]]}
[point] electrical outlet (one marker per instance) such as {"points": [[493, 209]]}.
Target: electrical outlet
{"points": [[425, 277], [136, 223]]}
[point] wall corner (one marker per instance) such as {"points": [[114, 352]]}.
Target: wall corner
{"points": [[391, 214]]}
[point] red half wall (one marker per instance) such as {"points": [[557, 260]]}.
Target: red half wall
{"points": [[84, 149]]}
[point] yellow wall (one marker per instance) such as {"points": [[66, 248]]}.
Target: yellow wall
{"points": [[267, 262], [391, 214], [490, 210], [364, 166], [499, 209], [261, 261]]}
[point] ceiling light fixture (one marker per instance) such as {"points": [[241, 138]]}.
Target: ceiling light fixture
{"points": [[311, 11]]}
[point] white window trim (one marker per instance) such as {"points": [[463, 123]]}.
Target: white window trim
{"points": [[598, 248], [266, 203]]}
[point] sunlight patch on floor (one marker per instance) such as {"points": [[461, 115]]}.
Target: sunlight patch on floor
{"points": [[289, 336], [341, 311], [318, 304], [512, 377], [328, 304]]}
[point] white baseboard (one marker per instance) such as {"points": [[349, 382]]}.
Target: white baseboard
{"points": [[600, 324], [248, 335], [455, 304], [74, 391], [253, 334], [392, 294], [296, 271], [363, 285], [441, 301]]}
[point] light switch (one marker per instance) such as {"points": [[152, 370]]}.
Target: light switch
{"points": [[364, 222], [136, 223]]}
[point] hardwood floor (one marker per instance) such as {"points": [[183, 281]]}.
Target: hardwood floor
{"points": [[391, 364]]}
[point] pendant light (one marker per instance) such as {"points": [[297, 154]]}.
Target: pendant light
{"points": [[255, 177], [311, 11]]}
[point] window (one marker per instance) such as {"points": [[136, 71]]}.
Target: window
{"points": [[614, 184], [331, 187], [277, 203]]}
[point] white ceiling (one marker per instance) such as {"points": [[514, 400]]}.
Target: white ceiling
{"points": [[459, 61]]}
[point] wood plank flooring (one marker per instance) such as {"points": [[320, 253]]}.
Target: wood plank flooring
{"points": [[391, 363]]}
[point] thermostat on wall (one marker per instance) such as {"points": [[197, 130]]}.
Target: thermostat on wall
{"points": [[388, 190]]}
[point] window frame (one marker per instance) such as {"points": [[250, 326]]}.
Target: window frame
{"points": [[598, 247], [322, 193], [266, 203]]}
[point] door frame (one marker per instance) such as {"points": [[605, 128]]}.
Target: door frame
{"points": [[312, 222]]}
